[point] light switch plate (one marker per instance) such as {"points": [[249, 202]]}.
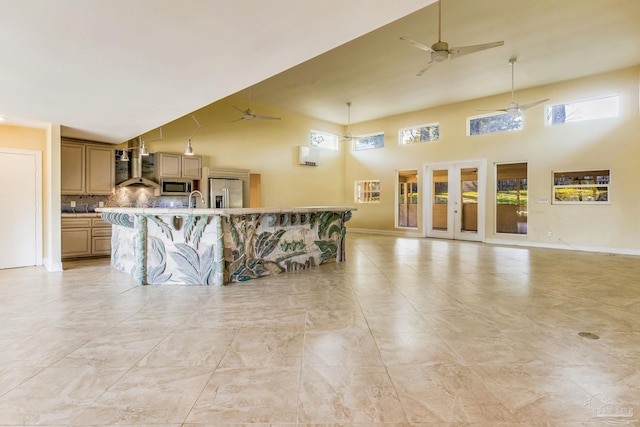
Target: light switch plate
{"points": [[72, 203]]}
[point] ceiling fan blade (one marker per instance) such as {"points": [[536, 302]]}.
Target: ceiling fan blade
{"points": [[533, 104], [465, 50], [501, 110], [421, 72], [416, 44], [259, 117]]}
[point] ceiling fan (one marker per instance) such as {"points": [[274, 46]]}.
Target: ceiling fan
{"points": [[348, 136], [248, 114], [440, 51], [514, 108]]}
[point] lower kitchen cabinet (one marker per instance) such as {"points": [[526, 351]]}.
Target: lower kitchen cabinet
{"points": [[85, 237], [100, 237]]}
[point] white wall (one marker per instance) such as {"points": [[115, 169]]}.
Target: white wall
{"points": [[268, 148], [602, 144]]}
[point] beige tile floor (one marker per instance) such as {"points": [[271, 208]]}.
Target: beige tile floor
{"points": [[405, 332]]}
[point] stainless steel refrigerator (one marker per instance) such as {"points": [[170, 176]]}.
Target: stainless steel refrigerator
{"points": [[225, 193]]}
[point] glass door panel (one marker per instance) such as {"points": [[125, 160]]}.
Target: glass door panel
{"points": [[469, 199], [511, 198], [407, 198], [440, 201], [454, 207]]}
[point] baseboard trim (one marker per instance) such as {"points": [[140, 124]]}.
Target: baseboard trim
{"points": [[52, 267], [564, 246], [508, 242], [396, 233]]}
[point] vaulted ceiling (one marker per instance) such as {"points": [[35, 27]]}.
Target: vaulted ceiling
{"points": [[110, 70]]}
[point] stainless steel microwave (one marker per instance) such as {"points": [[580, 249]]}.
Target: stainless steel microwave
{"points": [[176, 187]]}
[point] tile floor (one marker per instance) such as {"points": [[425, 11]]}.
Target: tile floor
{"points": [[405, 332]]}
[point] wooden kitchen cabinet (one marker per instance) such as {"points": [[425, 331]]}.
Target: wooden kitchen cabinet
{"points": [[100, 237], [86, 168], [191, 167], [171, 165], [99, 170], [76, 237], [85, 237], [72, 168]]}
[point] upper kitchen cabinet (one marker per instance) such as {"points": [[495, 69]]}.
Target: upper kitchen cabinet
{"points": [[86, 168], [72, 168], [171, 165], [191, 167], [100, 170]]}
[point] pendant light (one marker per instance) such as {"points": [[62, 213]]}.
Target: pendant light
{"points": [[125, 156], [189, 150], [143, 147]]}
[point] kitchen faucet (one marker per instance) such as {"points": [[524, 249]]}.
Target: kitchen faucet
{"points": [[201, 197]]}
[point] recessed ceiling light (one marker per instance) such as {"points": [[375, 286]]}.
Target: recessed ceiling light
{"points": [[2, 118]]}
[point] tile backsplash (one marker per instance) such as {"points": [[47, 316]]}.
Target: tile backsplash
{"points": [[84, 203], [135, 197]]}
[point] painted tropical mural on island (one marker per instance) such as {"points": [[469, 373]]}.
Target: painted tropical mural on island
{"points": [[207, 250]]}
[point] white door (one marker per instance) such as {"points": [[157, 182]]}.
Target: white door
{"points": [[454, 203], [20, 208]]}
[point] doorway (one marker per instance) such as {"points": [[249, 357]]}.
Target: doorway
{"points": [[407, 199], [20, 208], [454, 201]]}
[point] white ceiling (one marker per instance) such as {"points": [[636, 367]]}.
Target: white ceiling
{"points": [[553, 41], [110, 70]]}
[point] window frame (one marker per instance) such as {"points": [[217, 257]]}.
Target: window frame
{"points": [[335, 146], [548, 108], [522, 231], [584, 172], [357, 138], [371, 192], [418, 127], [493, 114]]}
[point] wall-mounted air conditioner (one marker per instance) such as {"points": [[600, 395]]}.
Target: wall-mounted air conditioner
{"points": [[309, 156]]}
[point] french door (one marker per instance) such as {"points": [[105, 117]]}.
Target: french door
{"points": [[454, 203]]}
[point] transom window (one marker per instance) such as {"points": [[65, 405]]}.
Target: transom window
{"points": [[368, 142], [323, 140], [417, 134], [493, 122], [367, 191], [591, 109]]}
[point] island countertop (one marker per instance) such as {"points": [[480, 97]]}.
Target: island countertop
{"points": [[232, 211], [216, 246]]}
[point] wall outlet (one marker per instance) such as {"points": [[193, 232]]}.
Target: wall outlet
{"points": [[548, 234], [72, 203], [101, 204]]}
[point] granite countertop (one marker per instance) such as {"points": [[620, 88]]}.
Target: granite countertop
{"points": [[235, 211], [80, 215]]}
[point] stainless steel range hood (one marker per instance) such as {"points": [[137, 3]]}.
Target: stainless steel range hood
{"points": [[136, 179]]}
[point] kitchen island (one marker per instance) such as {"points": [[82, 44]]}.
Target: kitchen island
{"points": [[219, 246]]}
